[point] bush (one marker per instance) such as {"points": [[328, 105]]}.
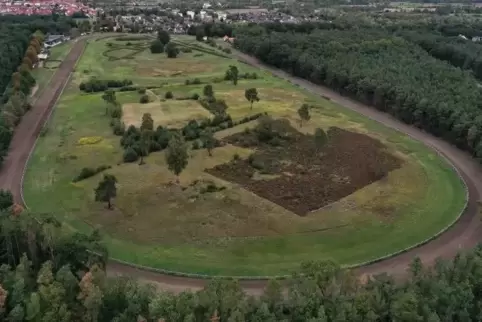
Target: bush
{"points": [[168, 95], [157, 47], [236, 157], [196, 145], [227, 50], [171, 50], [255, 162], [141, 90], [130, 155], [144, 99], [186, 50], [89, 172], [195, 96]]}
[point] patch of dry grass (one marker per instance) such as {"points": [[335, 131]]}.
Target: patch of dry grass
{"points": [[171, 113]]}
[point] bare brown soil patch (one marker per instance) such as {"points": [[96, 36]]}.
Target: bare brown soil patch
{"points": [[299, 176]]}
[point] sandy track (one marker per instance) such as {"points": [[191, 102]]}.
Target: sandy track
{"points": [[465, 234]]}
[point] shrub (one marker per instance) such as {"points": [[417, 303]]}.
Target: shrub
{"points": [[227, 50], [196, 145], [255, 162], [157, 47], [236, 157], [171, 50], [186, 50], [195, 96], [89, 172], [141, 90], [168, 95], [144, 99], [130, 155]]}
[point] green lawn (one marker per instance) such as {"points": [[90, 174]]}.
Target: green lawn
{"points": [[233, 232]]}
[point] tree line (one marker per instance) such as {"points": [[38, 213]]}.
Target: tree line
{"points": [[21, 40], [383, 70], [50, 274]]}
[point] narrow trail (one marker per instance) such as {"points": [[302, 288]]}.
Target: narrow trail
{"points": [[465, 234]]}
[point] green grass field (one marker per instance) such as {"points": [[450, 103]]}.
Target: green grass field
{"points": [[232, 232]]}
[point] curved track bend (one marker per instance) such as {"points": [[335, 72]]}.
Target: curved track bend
{"points": [[465, 234]]}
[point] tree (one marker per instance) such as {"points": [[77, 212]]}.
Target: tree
{"points": [[106, 190], [145, 143], [320, 138], [208, 91], [200, 33], [6, 199], [251, 95], [157, 47], [147, 122], [171, 50], [176, 154], [163, 36], [232, 74], [208, 140], [304, 113]]}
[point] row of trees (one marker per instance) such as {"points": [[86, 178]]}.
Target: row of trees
{"points": [[380, 69], [47, 274], [18, 55]]}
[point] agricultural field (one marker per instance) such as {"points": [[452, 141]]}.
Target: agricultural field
{"points": [[269, 197]]}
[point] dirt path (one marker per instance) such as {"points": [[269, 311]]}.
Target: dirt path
{"points": [[463, 235]]}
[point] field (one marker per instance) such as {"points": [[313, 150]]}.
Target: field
{"points": [[254, 207]]}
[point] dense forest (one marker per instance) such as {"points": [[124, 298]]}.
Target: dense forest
{"points": [[47, 274], [382, 69]]}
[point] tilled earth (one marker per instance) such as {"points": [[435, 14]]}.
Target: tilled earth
{"points": [[300, 177]]}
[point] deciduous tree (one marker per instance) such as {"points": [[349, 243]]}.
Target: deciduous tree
{"points": [[163, 36], [209, 142], [106, 190], [208, 90], [304, 113], [147, 122], [176, 154], [232, 74], [251, 95]]}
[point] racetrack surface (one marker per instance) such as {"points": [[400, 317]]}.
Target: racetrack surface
{"points": [[465, 234]]}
